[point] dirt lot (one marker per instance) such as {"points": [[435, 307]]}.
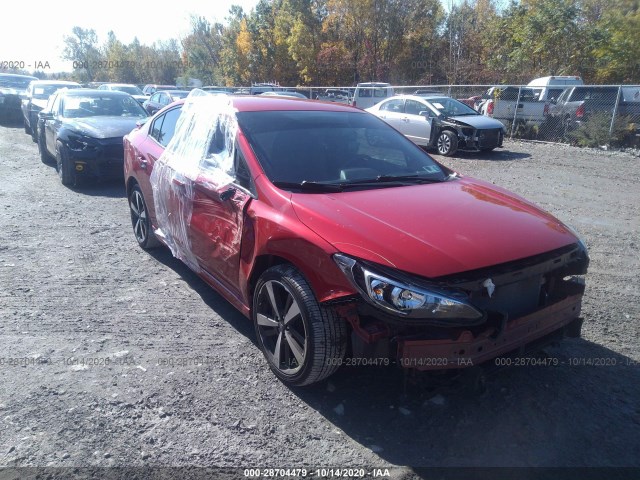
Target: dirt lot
{"points": [[111, 356]]}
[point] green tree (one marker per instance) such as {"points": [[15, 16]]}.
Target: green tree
{"points": [[82, 48]]}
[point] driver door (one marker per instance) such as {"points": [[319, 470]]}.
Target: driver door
{"points": [[217, 222]]}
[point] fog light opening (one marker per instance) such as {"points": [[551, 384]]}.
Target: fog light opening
{"points": [[79, 167]]}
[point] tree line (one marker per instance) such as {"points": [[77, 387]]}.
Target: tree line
{"points": [[404, 42]]}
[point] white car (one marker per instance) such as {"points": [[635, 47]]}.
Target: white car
{"points": [[129, 88], [441, 122]]}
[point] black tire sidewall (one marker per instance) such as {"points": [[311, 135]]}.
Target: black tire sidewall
{"points": [[65, 169]]}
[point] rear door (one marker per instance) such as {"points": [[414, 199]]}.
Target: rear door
{"points": [[146, 153], [392, 112]]}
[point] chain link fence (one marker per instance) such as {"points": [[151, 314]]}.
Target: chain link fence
{"points": [[584, 115]]}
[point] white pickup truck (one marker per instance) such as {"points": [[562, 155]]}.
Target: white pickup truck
{"points": [[509, 104]]}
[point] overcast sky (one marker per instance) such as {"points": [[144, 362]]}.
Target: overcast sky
{"points": [[33, 31]]}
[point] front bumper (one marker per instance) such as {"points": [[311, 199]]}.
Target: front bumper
{"points": [[476, 140], [105, 161], [469, 350]]}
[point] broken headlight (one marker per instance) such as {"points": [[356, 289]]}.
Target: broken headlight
{"points": [[403, 298]]}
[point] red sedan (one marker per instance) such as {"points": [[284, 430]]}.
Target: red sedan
{"points": [[335, 234]]}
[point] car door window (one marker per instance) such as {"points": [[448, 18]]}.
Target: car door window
{"points": [[154, 98], [55, 108], [164, 99], [165, 131], [396, 105], [413, 107], [242, 173]]}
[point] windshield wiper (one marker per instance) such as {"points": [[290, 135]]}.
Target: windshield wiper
{"points": [[379, 181], [309, 186], [419, 178]]}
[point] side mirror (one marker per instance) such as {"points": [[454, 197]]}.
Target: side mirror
{"points": [[45, 115], [553, 100], [424, 113]]}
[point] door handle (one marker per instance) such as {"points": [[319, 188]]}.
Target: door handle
{"points": [[405, 119], [228, 194]]}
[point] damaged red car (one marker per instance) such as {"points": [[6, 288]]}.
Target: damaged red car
{"points": [[342, 240]]}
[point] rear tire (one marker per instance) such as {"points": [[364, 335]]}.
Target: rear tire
{"points": [[140, 220], [304, 342], [447, 143]]}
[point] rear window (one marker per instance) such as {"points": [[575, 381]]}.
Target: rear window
{"points": [[314, 146]]}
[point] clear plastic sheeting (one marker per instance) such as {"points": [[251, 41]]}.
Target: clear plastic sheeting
{"points": [[201, 152]]}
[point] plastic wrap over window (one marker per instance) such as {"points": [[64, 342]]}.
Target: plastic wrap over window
{"points": [[201, 152]]}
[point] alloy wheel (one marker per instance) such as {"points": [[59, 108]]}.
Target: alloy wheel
{"points": [[138, 216], [281, 327], [444, 144]]}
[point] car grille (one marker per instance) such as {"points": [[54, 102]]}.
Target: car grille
{"points": [[489, 138]]}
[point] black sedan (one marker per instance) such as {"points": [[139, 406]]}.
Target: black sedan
{"points": [[162, 98], [83, 129], [36, 99], [12, 89]]}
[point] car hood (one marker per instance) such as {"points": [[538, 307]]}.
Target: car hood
{"points": [[477, 121], [39, 102], [102, 127], [433, 229]]}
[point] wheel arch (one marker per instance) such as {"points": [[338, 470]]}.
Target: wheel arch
{"points": [[130, 183]]}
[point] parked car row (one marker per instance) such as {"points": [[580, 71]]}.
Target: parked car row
{"points": [[329, 229], [82, 129], [557, 105]]}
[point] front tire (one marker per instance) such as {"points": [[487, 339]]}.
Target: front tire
{"points": [[447, 143], [65, 168], [42, 149], [303, 341], [140, 220]]}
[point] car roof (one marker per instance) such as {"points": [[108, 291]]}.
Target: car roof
{"points": [[83, 92], [17, 76], [416, 97], [258, 103], [269, 103], [54, 82]]}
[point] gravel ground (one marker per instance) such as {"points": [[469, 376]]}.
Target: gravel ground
{"points": [[111, 356]]}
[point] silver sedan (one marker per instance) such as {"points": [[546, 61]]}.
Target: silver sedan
{"points": [[440, 122]]}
